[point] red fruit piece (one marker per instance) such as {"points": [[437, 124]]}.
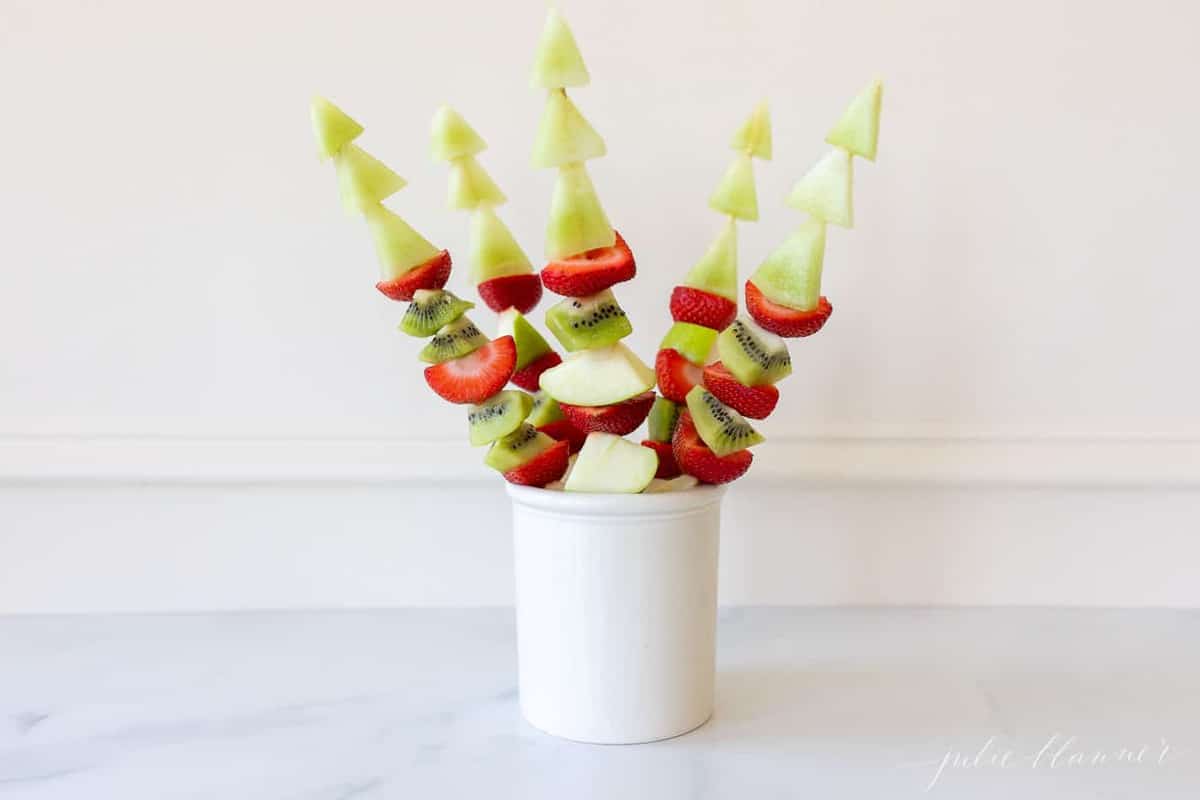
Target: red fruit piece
{"points": [[667, 468], [619, 418], [702, 308], [527, 376], [562, 431], [676, 375], [547, 466], [433, 274], [784, 321], [477, 376], [591, 272], [694, 457], [755, 402], [521, 292]]}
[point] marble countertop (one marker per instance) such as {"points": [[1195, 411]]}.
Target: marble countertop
{"points": [[878, 704]]}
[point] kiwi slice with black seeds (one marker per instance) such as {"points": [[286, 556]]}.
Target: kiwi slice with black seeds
{"points": [[724, 430], [582, 323], [432, 309], [753, 355], [513, 450], [455, 340], [497, 416]]}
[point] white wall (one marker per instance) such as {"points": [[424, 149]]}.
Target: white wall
{"points": [[183, 298]]}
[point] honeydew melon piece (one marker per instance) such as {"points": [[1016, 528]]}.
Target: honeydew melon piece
{"points": [[716, 271], [858, 129], [564, 135], [827, 190], [494, 251], [333, 127], [608, 463], [399, 247], [598, 377], [735, 194], [531, 345], [558, 62], [577, 220], [693, 342], [364, 180], [451, 137], [754, 137], [791, 274], [471, 186]]}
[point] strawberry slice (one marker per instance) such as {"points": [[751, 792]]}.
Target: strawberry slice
{"points": [[432, 274], [784, 321], [676, 375], [619, 418], [477, 376], [547, 466], [521, 292], [527, 376], [755, 402], [591, 272], [563, 431], [694, 457], [667, 468], [702, 308]]}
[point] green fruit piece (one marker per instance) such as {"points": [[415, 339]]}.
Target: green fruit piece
{"points": [[458, 339], [598, 377], [333, 127], [430, 310], [451, 137], [827, 190], [858, 129], [471, 186], [577, 220], [608, 463], [564, 135], [558, 62], [545, 410], [531, 345], [583, 322], [661, 422], [753, 355], [517, 447], [735, 194], [498, 416], [724, 430], [693, 342], [399, 247], [364, 180], [754, 137], [791, 274], [678, 484], [717, 271], [494, 251]]}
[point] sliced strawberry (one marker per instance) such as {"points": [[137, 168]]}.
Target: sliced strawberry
{"points": [[433, 274], [667, 468], [755, 402], [676, 375], [527, 376], [521, 292], [591, 272], [477, 376], [619, 418], [694, 457], [546, 467], [702, 308], [563, 431], [784, 321]]}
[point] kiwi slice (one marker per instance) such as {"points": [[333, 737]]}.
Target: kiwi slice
{"points": [[517, 447], [455, 340], [431, 309], [724, 430], [582, 323], [663, 416], [753, 355], [544, 411], [497, 416]]}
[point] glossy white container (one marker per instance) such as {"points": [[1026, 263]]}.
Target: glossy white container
{"points": [[616, 611]]}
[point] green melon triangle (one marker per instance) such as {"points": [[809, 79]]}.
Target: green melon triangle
{"points": [[494, 251], [333, 127], [735, 194], [564, 135], [577, 220], [791, 274], [530, 344], [754, 137], [827, 190], [364, 180], [450, 136], [558, 62], [399, 247], [716, 272], [471, 186], [858, 129]]}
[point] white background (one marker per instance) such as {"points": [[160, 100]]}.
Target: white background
{"points": [[1011, 362]]}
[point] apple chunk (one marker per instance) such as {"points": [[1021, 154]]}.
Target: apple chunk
{"points": [[608, 463]]}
